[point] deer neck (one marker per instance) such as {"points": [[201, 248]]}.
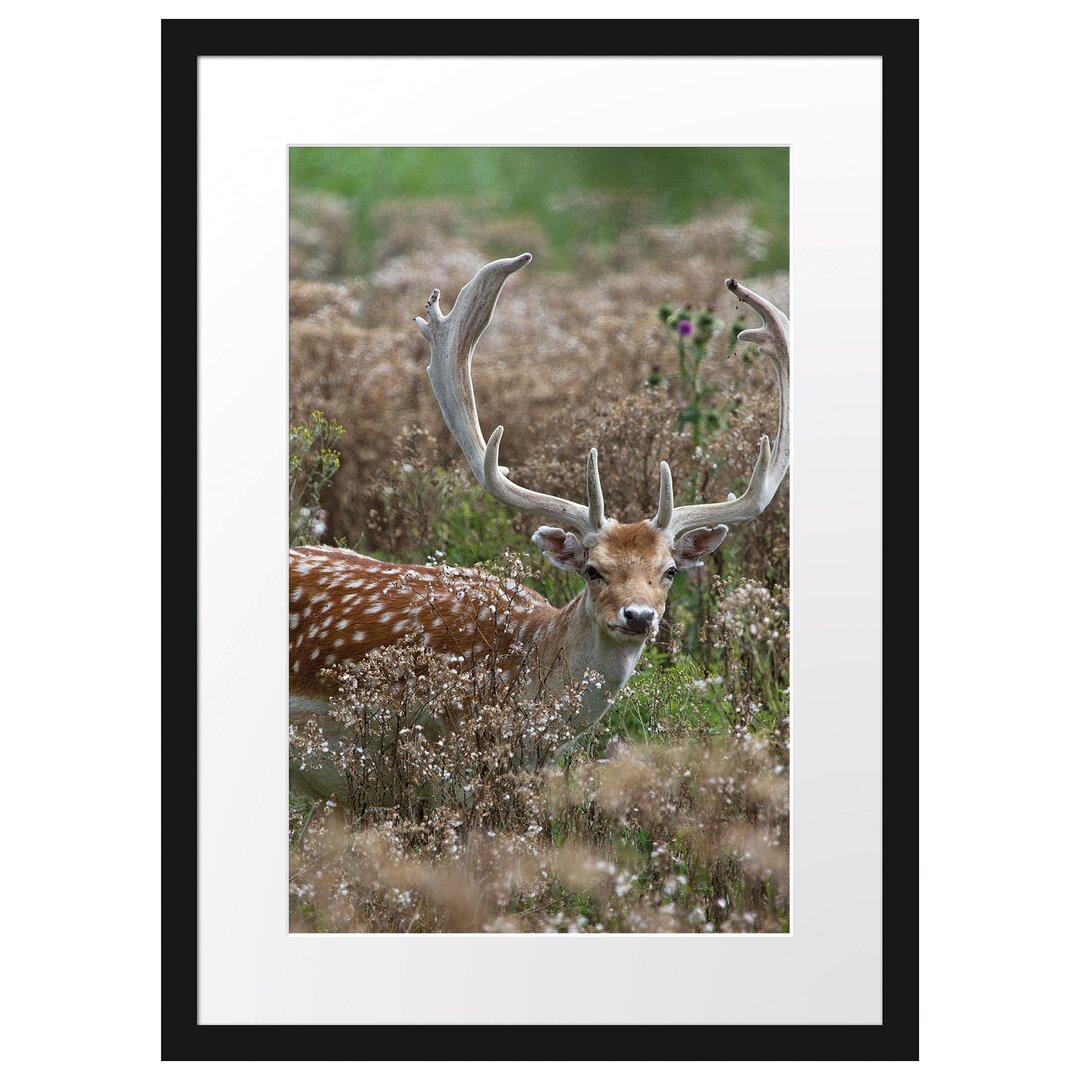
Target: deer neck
{"points": [[579, 645]]}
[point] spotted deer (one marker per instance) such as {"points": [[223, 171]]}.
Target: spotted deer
{"points": [[343, 604]]}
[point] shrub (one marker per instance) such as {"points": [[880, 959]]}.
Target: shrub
{"points": [[313, 461]]}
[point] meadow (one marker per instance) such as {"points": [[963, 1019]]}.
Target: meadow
{"points": [[673, 815]]}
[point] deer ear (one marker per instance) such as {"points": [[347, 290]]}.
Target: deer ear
{"points": [[563, 549], [691, 547]]}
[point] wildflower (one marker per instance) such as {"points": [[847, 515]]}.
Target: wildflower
{"points": [[685, 328]]}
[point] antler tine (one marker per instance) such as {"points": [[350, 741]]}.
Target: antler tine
{"points": [[666, 505], [772, 460], [595, 492], [453, 338]]}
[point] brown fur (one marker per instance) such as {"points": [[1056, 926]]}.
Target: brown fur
{"points": [[342, 605]]}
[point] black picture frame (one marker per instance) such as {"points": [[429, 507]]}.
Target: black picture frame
{"points": [[183, 1038]]}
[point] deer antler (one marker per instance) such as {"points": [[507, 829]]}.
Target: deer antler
{"points": [[453, 338], [772, 460]]}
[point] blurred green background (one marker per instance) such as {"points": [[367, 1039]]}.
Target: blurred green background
{"points": [[664, 185]]}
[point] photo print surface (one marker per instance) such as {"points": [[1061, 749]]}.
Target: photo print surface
{"points": [[538, 540]]}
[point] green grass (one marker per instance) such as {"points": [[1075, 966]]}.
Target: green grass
{"points": [[673, 183]]}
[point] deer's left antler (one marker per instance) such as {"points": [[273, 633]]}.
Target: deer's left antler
{"points": [[772, 337]]}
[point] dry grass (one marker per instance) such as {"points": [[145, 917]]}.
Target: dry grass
{"points": [[467, 829], [486, 815]]}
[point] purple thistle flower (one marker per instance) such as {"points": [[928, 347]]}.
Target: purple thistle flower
{"points": [[685, 328]]}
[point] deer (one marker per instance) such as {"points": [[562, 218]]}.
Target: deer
{"points": [[344, 604]]}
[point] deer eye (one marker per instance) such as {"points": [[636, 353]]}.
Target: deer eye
{"points": [[670, 572], [592, 574]]}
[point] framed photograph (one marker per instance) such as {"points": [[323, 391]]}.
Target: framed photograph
{"points": [[521, 733]]}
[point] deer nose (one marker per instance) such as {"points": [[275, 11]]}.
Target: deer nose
{"points": [[638, 619]]}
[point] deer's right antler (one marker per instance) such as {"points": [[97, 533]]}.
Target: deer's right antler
{"points": [[453, 338]]}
